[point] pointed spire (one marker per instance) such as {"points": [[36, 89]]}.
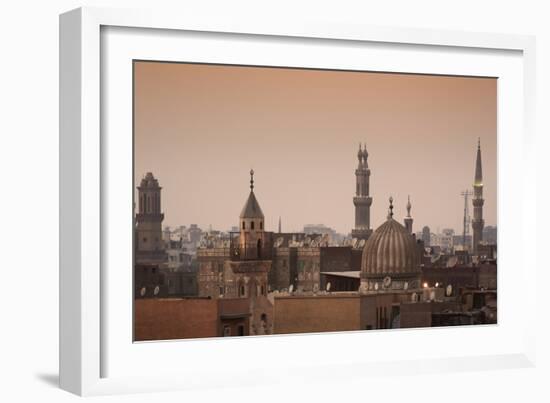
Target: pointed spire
{"points": [[251, 180], [365, 156], [478, 181], [409, 206]]}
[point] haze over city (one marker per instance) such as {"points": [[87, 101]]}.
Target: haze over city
{"points": [[201, 128]]}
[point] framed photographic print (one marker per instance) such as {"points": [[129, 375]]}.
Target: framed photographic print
{"points": [[299, 194]]}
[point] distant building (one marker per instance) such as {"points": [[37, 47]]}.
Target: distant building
{"points": [[426, 236], [490, 234]]}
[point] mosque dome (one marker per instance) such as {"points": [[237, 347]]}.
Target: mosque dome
{"points": [[390, 251]]}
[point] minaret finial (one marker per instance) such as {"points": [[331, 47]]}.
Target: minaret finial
{"points": [[479, 143], [390, 211], [251, 180], [409, 206]]}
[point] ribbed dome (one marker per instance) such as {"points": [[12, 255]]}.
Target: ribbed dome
{"points": [[390, 251]]}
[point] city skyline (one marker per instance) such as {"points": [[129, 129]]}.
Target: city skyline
{"points": [[305, 160]]}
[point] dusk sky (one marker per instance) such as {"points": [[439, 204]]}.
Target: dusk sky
{"points": [[201, 128]]}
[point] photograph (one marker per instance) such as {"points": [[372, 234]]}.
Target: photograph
{"points": [[275, 200]]}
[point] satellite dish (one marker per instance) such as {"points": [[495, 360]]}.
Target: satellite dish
{"points": [[316, 288], [414, 297], [432, 295], [375, 286], [143, 291], [406, 285], [387, 282], [328, 286], [361, 243], [353, 242], [157, 290], [291, 288], [279, 241], [449, 290]]}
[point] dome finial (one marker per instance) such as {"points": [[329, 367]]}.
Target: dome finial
{"points": [[409, 206], [251, 180], [390, 211]]}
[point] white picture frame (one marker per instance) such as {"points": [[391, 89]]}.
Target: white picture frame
{"points": [[88, 313]]}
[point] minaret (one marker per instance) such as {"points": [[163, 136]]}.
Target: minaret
{"points": [[362, 201], [149, 243], [251, 240], [279, 224], [408, 219], [477, 201]]}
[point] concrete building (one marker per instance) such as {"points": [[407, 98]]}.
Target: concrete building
{"points": [[426, 236]]}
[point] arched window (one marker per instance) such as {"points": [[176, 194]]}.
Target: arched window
{"points": [[244, 225], [251, 224], [261, 225]]}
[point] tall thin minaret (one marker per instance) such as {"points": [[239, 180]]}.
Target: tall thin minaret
{"points": [[477, 201], [362, 201], [408, 219], [279, 224]]}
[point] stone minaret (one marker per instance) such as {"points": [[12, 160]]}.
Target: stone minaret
{"points": [[408, 219], [362, 201], [149, 243], [477, 221], [279, 224], [251, 239]]}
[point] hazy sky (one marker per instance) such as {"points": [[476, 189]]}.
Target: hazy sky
{"points": [[201, 128]]}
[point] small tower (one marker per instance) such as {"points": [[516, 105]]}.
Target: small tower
{"points": [[362, 201], [251, 224], [149, 243], [408, 219], [279, 224], [251, 266], [477, 200]]}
